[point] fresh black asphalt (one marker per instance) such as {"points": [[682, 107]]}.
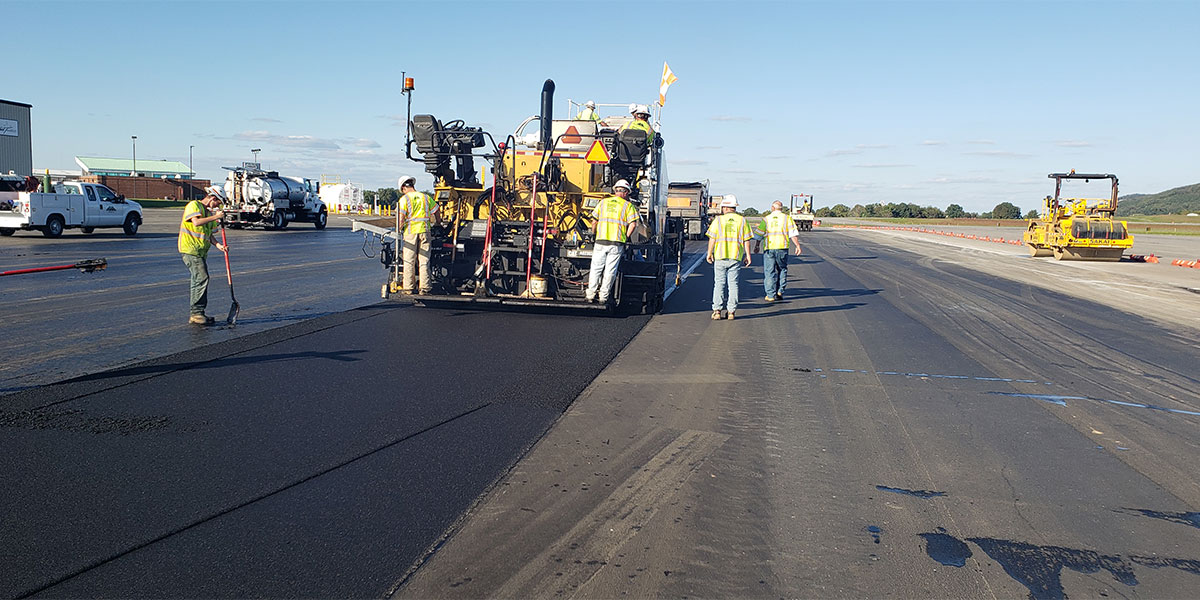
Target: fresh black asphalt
{"points": [[317, 460]]}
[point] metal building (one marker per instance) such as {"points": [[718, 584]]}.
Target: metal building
{"points": [[16, 144]]}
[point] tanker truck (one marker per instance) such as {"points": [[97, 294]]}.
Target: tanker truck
{"points": [[257, 198]]}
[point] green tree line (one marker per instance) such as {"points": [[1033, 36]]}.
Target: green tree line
{"points": [[1176, 201], [384, 196], [905, 210]]}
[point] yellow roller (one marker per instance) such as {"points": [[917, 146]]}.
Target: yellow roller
{"points": [[1078, 228]]}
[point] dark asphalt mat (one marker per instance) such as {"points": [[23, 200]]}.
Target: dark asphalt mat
{"points": [[311, 460]]}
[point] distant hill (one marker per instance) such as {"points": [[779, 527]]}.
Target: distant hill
{"points": [[1184, 199]]}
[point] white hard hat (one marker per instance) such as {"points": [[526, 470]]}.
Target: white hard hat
{"points": [[216, 192], [590, 104], [633, 108], [641, 109], [729, 200], [408, 179], [621, 183]]}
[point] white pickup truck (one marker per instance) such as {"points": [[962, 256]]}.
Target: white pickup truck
{"points": [[72, 204]]}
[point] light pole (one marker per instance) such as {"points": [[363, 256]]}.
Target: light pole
{"points": [[191, 173], [134, 173], [256, 151]]}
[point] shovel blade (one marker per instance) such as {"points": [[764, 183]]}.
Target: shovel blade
{"points": [[233, 313]]}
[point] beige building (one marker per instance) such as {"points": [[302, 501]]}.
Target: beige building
{"points": [[16, 144]]}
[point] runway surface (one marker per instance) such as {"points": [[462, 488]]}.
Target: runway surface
{"points": [[900, 426], [903, 424]]}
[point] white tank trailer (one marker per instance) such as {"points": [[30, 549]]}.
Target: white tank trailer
{"points": [[256, 198], [343, 197]]}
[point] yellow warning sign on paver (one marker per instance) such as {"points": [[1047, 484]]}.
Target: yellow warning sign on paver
{"points": [[597, 154]]}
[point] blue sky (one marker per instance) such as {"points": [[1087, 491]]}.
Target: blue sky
{"points": [[854, 102]]}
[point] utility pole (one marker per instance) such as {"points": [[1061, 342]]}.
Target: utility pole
{"points": [[191, 172], [134, 173]]}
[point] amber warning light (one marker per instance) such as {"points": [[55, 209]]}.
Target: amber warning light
{"points": [[408, 84]]}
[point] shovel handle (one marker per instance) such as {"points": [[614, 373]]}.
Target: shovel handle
{"points": [[228, 274]]}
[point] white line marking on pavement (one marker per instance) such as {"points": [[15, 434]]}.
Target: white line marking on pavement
{"points": [[682, 278]]}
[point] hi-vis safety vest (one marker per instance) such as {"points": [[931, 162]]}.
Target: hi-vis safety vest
{"points": [[613, 216], [779, 228], [194, 239], [416, 207], [587, 114], [643, 126], [731, 234]]}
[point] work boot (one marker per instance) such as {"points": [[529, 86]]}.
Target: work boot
{"points": [[591, 300], [729, 316], [426, 292], [716, 316], [770, 298], [201, 320]]}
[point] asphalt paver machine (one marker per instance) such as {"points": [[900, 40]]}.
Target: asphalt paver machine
{"points": [[520, 233]]}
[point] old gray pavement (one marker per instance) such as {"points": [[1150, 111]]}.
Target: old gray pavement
{"points": [[902, 425], [66, 323]]}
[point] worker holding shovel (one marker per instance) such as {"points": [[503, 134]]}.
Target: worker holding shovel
{"points": [[195, 237]]}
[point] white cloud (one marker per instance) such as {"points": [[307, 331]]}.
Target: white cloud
{"points": [[881, 166], [998, 154], [933, 143], [843, 152], [362, 142], [1072, 143], [292, 141], [961, 180], [266, 120]]}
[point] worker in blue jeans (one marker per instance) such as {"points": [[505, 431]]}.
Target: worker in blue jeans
{"points": [[728, 249], [777, 228]]}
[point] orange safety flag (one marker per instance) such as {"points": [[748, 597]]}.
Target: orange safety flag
{"points": [[667, 80]]}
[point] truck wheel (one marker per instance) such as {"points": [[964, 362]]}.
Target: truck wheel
{"points": [[54, 226], [132, 222], [87, 229], [322, 219], [7, 231], [280, 220]]}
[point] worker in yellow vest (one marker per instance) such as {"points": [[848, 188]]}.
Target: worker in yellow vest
{"points": [[195, 237], [415, 212], [777, 228], [588, 113], [641, 122], [728, 249], [615, 218]]}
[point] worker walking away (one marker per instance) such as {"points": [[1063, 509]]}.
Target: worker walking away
{"points": [[615, 218], [415, 212], [728, 249], [200, 218], [777, 228], [641, 122], [588, 113]]}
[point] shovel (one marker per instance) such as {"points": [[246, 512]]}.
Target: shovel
{"points": [[233, 308]]}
